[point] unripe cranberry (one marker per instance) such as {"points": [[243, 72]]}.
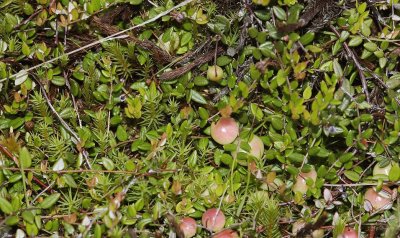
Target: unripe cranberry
{"points": [[188, 226], [377, 201], [383, 170], [301, 185], [215, 73], [228, 233], [256, 147], [225, 130], [213, 219], [348, 233]]}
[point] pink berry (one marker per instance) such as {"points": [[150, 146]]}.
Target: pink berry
{"points": [[257, 147], [349, 233], [301, 185], [381, 200], [188, 226], [228, 233], [213, 219], [225, 130]]}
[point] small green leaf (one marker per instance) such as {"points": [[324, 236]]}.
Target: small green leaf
{"points": [[79, 75], [382, 62], [58, 80], [254, 72], [197, 97], [28, 216], [307, 92], [256, 111], [337, 68], [307, 38], [200, 81], [281, 77], [394, 173], [49, 201], [107, 163], [75, 87], [135, 2], [277, 123], [343, 36], [97, 231], [69, 180], [296, 157], [313, 48], [187, 36], [11, 220], [361, 8], [261, 2], [370, 46], [244, 89], [379, 53], [122, 135], [203, 113], [353, 176], [25, 49], [279, 13], [5, 206], [356, 41], [25, 158], [253, 32], [139, 204], [223, 60], [394, 81], [261, 37], [336, 47], [346, 157]]}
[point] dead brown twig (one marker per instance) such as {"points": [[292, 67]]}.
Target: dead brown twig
{"points": [[37, 12], [360, 68], [159, 55], [312, 10], [184, 69]]}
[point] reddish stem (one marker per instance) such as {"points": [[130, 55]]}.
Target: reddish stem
{"points": [[11, 156]]}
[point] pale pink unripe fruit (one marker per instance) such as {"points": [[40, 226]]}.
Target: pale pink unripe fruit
{"points": [[215, 73], [383, 171], [381, 200], [300, 224], [225, 130], [213, 219], [188, 226], [301, 185], [228, 233], [348, 233], [318, 233], [257, 147]]}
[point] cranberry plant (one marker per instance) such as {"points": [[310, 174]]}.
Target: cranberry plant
{"points": [[216, 118]]}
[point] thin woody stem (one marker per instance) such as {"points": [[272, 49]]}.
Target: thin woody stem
{"points": [[359, 67]]}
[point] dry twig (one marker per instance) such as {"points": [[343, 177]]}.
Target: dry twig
{"points": [[111, 37], [184, 69], [312, 10], [360, 68], [159, 55]]}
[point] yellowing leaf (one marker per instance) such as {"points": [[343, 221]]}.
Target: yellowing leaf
{"points": [[261, 2], [201, 18]]}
